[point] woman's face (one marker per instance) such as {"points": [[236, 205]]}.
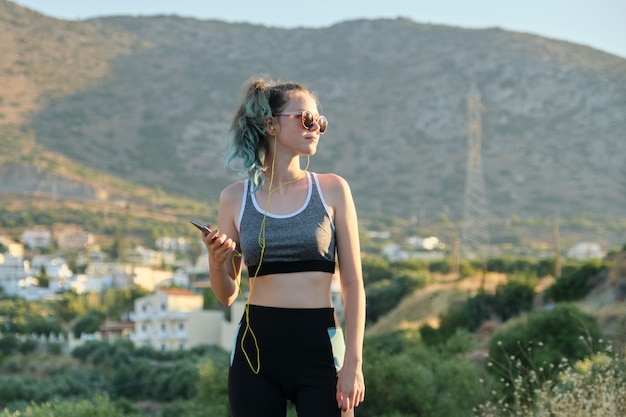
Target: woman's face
{"points": [[291, 135]]}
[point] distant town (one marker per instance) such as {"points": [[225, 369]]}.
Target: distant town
{"points": [[173, 315]]}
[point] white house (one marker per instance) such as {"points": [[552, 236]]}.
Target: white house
{"points": [[13, 269], [148, 257], [180, 278], [394, 252], [173, 319], [83, 284], [55, 267], [151, 278], [37, 238], [173, 244], [72, 237], [105, 274], [586, 250]]}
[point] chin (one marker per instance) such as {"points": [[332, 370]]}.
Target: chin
{"points": [[310, 150]]}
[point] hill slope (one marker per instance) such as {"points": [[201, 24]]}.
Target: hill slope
{"points": [[605, 301], [149, 100]]}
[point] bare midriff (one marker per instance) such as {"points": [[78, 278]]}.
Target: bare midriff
{"points": [[293, 290]]}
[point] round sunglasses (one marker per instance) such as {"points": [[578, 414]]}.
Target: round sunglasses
{"points": [[307, 118]]}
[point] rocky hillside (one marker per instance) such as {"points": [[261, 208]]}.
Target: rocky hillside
{"points": [[148, 100]]}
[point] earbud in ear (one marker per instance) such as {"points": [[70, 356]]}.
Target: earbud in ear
{"points": [[272, 129]]}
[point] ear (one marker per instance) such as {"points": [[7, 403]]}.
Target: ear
{"points": [[270, 128]]}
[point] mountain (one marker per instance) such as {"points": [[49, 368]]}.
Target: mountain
{"points": [[147, 101]]}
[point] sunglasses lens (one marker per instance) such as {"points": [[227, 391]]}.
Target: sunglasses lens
{"points": [[307, 119], [323, 124]]}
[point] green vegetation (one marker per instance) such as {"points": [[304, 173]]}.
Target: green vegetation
{"points": [[83, 313], [386, 284], [413, 372], [509, 300], [574, 284], [406, 378], [539, 343], [98, 406], [593, 386], [116, 371]]}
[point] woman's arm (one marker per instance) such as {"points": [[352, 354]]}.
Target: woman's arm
{"points": [[350, 385], [224, 265]]}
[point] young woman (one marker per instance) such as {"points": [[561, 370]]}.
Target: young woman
{"points": [[291, 227]]}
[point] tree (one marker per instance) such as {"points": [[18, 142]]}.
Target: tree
{"points": [[43, 279], [42, 326], [88, 324], [118, 246]]}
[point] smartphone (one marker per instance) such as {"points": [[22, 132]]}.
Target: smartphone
{"points": [[206, 230], [200, 226]]}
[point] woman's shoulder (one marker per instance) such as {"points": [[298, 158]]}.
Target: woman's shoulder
{"points": [[233, 193], [334, 186], [330, 180]]}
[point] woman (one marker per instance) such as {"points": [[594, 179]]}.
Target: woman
{"points": [[291, 226]]}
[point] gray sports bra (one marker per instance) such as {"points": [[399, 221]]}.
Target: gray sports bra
{"points": [[296, 242]]}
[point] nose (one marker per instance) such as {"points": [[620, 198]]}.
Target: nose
{"points": [[316, 124]]}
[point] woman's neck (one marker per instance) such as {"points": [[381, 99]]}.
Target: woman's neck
{"points": [[283, 172], [278, 182]]}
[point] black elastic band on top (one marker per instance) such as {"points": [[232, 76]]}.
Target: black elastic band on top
{"points": [[268, 268]]}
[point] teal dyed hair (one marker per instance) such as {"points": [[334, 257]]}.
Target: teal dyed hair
{"points": [[248, 136]]}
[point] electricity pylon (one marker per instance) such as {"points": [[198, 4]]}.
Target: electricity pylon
{"points": [[475, 235], [557, 245]]}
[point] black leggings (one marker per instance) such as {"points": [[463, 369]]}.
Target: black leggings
{"points": [[296, 364]]}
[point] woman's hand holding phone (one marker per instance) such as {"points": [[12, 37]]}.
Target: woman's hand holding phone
{"points": [[210, 238]]}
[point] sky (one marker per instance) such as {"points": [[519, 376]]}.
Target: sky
{"points": [[600, 24]]}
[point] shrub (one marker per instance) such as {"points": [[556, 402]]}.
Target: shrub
{"points": [[408, 379], [595, 386], [384, 295], [8, 344], [191, 409], [375, 269], [83, 352], [540, 343], [43, 326], [28, 346], [16, 388], [212, 387], [574, 284], [509, 300], [99, 406], [514, 297], [54, 348], [174, 382], [442, 267]]}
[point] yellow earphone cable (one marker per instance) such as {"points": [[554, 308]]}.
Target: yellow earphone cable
{"points": [[261, 241]]}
